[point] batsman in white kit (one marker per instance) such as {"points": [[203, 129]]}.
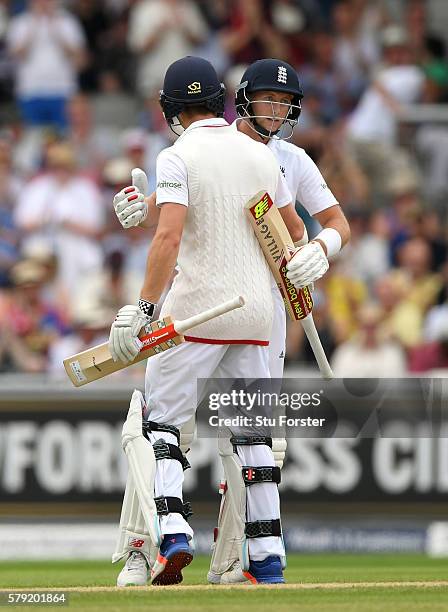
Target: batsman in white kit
{"points": [[204, 182], [267, 102]]}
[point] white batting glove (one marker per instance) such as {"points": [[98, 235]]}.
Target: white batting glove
{"points": [[124, 344], [129, 203], [308, 264]]}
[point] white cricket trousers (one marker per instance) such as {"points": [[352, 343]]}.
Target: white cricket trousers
{"points": [[171, 398]]}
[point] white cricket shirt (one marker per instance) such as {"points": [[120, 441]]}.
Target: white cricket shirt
{"points": [[172, 182]]}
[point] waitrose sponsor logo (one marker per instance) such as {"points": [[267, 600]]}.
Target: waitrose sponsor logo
{"points": [[164, 184]]}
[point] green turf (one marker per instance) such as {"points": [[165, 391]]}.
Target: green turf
{"points": [[301, 568]]}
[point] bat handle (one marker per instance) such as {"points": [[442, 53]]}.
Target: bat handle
{"points": [[309, 328], [186, 324]]}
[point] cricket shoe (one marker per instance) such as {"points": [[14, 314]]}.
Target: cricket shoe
{"points": [[135, 571], [234, 575], [268, 571], [175, 553]]}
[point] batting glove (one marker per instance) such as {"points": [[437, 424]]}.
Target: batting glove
{"points": [[124, 344], [308, 264], [129, 203]]}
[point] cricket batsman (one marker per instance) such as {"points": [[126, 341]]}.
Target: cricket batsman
{"points": [[204, 181], [268, 102]]}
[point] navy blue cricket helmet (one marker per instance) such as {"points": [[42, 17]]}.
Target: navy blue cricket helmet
{"points": [[191, 81], [268, 75]]}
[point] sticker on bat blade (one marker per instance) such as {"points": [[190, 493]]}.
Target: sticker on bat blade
{"points": [[77, 371], [261, 207], [158, 336]]}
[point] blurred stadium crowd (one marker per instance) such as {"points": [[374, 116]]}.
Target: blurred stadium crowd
{"points": [[79, 84]]}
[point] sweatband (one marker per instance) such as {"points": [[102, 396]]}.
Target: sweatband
{"points": [[332, 240]]}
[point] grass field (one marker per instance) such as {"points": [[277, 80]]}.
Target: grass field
{"points": [[345, 583]]}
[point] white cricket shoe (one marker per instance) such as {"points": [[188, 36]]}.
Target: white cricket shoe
{"points": [[135, 571], [234, 575], [213, 577]]}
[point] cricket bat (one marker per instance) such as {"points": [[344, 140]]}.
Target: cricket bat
{"points": [[278, 247], [158, 336]]}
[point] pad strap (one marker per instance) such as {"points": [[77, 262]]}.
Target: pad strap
{"points": [[151, 426], [250, 440], [263, 529], [165, 505], [252, 475], [165, 450]]}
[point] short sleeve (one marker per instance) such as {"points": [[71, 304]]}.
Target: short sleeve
{"points": [[282, 195], [72, 31], [172, 181], [313, 192]]}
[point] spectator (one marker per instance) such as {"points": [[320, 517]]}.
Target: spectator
{"points": [[161, 31], [431, 355], [345, 295], [66, 209], [320, 75], [28, 325], [48, 46], [292, 22], [249, 33], [408, 291], [372, 127], [6, 68], [366, 257], [415, 261], [94, 22], [114, 108], [111, 287], [392, 179], [403, 319], [141, 149], [340, 169], [92, 144], [370, 353], [415, 19], [10, 187], [356, 50], [90, 327], [432, 138]]}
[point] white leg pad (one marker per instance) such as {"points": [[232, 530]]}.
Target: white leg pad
{"points": [[142, 466], [279, 451], [231, 543], [225, 553], [133, 534], [187, 433]]}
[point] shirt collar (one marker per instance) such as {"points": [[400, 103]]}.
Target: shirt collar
{"points": [[210, 122]]}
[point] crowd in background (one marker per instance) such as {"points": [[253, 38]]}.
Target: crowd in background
{"points": [[79, 84]]}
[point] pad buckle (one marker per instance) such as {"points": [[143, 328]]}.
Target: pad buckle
{"points": [[165, 450], [165, 505], [263, 529], [265, 473]]}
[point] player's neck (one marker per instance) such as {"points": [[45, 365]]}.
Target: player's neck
{"points": [[245, 128]]}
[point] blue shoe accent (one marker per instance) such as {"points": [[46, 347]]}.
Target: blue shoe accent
{"points": [[174, 543], [268, 571], [175, 553]]}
